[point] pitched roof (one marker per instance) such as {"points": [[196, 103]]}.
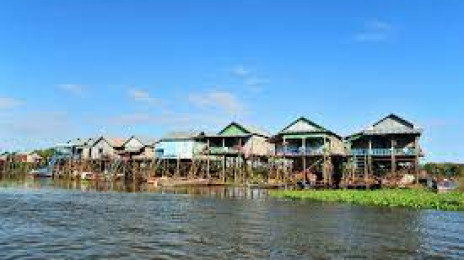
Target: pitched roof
{"points": [[247, 129], [391, 124], [303, 125], [114, 142], [143, 140], [80, 141], [182, 135]]}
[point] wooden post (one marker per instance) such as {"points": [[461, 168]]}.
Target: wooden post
{"points": [[284, 166], [239, 156], [324, 164], [207, 160], [224, 168], [303, 145], [178, 166], [248, 164], [369, 161], [393, 156], [224, 160], [416, 161]]}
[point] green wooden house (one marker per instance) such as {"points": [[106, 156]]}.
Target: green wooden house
{"points": [[311, 148], [238, 139], [303, 137]]}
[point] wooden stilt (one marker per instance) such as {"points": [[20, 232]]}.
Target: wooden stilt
{"points": [[393, 157], [208, 174], [224, 161], [369, 158], [303, 146], [178, 167], [416, 159]]}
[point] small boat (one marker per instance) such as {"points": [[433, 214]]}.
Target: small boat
{"points": [[41, 173], [446, 186]]}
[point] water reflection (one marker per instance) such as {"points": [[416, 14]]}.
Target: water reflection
{"points": [[63, 219]]}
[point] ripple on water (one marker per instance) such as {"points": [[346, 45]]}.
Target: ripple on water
{"points": [[221, 223]]}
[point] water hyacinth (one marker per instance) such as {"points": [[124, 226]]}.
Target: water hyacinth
{"points": [[412, 198]]}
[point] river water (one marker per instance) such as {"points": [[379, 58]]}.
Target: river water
{"points": [[46, 219]]}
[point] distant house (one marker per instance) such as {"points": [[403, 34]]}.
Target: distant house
{"points": [[138, 148], [28, 157], [312, 148], [81, 147], [385, 145], [180, 145], [4, 157], [303, 137], [107, 148], [239, 139]]}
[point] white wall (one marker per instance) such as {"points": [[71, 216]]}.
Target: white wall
{"points": [[102, 148]]}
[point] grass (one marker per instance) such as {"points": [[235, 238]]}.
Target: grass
{"points": [[411, 198]]}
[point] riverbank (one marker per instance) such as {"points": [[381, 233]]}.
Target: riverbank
{"points": [[411, 198]]}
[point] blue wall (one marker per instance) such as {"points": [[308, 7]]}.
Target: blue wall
{"points": [[174, 149]]}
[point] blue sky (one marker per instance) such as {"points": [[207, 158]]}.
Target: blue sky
{"points": [[83, 68]]}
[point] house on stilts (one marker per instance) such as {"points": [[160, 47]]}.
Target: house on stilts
{"points": [[390, 146], [176, 151], [315, 153], [138, 148], [239, 149], [106, 148], [81, 148]]}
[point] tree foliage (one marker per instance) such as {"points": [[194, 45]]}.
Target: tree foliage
{"points": [[444, 169]]}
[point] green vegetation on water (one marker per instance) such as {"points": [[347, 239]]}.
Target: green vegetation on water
{"points": [[412, 198]]}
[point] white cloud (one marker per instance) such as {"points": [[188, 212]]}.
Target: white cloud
{"points": [[36, 129], [248, 78], [374, 31], [132, 119], [74, 89], [378, 25], [240, 71], [165, 119], [6, 102], [142, 96], [225, 101]]}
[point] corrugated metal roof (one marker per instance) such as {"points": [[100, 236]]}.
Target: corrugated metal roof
{"points": [[247, 128], [182, 135], [115, 142], [257, 131], [303, 125], [392, 131], [81, 141], [144, 140], [389, 125]]}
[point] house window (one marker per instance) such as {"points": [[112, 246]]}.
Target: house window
{"points": [[159, 152], [100, 150]]}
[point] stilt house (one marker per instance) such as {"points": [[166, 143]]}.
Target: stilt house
{"points": [[312, 148], [388, 146]]}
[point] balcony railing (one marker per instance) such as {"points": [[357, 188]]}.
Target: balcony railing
{"points": [[383, 152], [299, 151], [224, 150]]}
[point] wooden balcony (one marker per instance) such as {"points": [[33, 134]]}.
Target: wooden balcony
{"points": [[225, 150], [383, 152], [299, 151]]}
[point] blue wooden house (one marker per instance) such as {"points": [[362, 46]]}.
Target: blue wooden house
{"points": [[180, 145]]}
